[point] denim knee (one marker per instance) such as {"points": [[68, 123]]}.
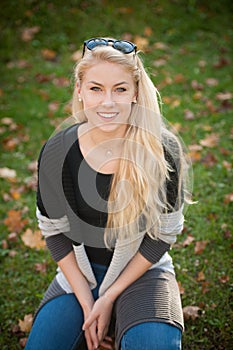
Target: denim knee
{"points": [[152, 336]]}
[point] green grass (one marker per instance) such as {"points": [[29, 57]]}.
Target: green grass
{"points": [[193, 31]]}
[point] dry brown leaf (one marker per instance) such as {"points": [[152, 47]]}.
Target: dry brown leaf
{"points": [[227, 165], [141, 42], [33, 239], [7, 173], [159, 62], [77, 55], [28, 33], [14, 221], [148, 31], [196, 86], [224, 279], [41, 267], [223, 96], [191, 312], [26, 324], [211, 140], [200, 276], [200, 246], [189, 115], [48, 54], [188, 240], [160, 46], [209, 160], [181, 289], [212, 81], [54, 106], [228, 198]]}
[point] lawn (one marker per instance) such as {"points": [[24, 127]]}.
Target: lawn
{"points": [[187, 49]]}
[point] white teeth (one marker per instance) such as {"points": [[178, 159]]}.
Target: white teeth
{"points": [[107, 115]]}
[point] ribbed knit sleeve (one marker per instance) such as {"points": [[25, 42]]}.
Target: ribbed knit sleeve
{"points": [[59, 246], [153, 249]]}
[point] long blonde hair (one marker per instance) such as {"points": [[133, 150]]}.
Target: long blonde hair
{"points": [[138, 189]]}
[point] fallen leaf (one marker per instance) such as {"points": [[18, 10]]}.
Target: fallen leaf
{"points": [[29, 33], [10, 143], [222, 62], [125, 10], [228, 198], [141, 42], [33, 166], [49, 55], [61, 82], [179, 78], [14, 221], [196, 86], [200, 246], [33, 240], [210, 140], [209, 160], [54, 106], [181, 289], [41, 267], [25, 325], [7, 173], [212, 81], [77, 55], [7, 121], [23, 342], [200, 276], [188, 115], [227, 165], [160, 46], [148, 31], [159, 62], [224, 279], [191, 312], [222, 96], [205, 287], [188, 240], [12, 237]]}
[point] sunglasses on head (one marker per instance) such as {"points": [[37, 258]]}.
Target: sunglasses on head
{"points": [[123, 46]]}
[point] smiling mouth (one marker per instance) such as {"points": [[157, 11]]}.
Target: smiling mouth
{"points": [[107, 115]]}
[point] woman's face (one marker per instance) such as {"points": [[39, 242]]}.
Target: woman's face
{"points": [[107, 91]]}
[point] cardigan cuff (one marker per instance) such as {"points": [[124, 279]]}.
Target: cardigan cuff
{"points": [[153, 249], [59, 246]]}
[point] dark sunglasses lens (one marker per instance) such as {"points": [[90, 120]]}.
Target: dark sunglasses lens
{"points": [[124, 46], [91, 44]]}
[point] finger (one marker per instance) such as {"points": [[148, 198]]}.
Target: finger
{"points": [[88, 340], [93, 334], [88, 322], [106, 344]]}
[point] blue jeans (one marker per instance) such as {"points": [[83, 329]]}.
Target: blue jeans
{"points": [[58, 326]]}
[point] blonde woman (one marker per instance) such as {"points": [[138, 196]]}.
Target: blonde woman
{"points": [[110, 202]]}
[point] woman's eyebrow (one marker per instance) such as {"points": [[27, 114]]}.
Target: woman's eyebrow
{"points": [[96, 83]]}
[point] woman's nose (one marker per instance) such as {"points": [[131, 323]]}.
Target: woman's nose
{"points": [[108, 99]]}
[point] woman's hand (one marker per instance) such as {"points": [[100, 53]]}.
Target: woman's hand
{"points": [[99, 320], [91, 332]]}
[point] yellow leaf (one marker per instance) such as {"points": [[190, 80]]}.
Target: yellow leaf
{"points": [[33, 240], [26, 324]]}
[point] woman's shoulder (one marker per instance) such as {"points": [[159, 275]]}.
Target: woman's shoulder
{"points": [[59, 139]]}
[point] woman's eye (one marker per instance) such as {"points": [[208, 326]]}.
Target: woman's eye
{"points": [[121, 89], [95, 88]]}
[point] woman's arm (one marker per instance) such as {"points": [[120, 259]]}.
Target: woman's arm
{"points": [[82, 291], [102, 309]]}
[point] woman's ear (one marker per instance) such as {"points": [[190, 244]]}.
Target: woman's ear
{"points": [[78, 91]]}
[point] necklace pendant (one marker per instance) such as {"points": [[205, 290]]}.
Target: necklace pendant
{"points": [[108, 153]]}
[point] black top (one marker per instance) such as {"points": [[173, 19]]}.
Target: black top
{"points": [[91, 206]]}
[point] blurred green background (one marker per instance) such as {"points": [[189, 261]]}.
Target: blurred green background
{"points": [[187, 49]]}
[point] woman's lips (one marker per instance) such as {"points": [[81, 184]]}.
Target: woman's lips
{"points": [[107, 115]]}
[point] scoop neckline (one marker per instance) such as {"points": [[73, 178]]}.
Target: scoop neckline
{"points": [[83, 158]]}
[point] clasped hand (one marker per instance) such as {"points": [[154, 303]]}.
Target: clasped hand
{"points": [[97, 323]]}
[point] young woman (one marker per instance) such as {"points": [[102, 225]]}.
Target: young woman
{"points": [[110, 202]]}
